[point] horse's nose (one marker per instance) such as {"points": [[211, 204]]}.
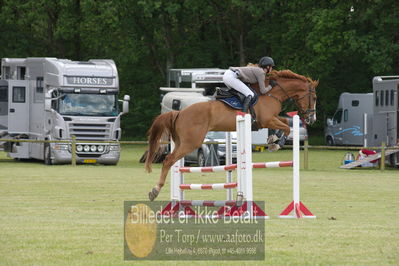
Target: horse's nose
{"points": [[310, 119]]}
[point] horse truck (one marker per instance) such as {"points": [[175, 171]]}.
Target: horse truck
{"points": [[50, 99], [368, 119]]}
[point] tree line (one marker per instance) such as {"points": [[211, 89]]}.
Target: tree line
{"points": [[343, 44]]}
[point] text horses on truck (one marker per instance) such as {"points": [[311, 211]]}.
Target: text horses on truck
{"points": [[55, 99]]}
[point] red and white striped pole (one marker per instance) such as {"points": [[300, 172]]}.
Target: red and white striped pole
{"points": [[213, 186], [231, 167]]}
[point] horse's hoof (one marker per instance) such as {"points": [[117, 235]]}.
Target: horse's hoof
{"points": [[282, 141], [153, 194], [240, 199], [273, 147], [272, 139]]}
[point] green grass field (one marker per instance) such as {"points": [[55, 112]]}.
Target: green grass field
{"points": [[67, 215]]}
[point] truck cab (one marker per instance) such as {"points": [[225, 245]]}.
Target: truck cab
{"points": [[52, 99]]}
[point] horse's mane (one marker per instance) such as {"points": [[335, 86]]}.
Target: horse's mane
{"points": [[288, 74]]}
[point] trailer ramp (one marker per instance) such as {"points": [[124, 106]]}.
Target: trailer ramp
{"points": [[367, 159]]}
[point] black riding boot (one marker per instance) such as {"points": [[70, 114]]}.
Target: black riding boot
{"points": [[246, 103]]}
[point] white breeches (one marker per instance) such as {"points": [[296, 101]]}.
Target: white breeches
{"points": [[233, 82]]}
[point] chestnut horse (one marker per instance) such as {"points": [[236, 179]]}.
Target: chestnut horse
{"points": [[188, 127]]}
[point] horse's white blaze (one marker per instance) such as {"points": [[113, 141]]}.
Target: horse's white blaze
{"points": [[314, 114]]}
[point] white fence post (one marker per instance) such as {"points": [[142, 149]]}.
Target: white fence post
{"points": [[244, 159], [296, 158], [229, 161], [296, 209], [365, 130], [177, 178]]}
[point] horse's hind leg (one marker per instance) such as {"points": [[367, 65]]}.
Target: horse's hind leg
{"points": [[179, 152]]}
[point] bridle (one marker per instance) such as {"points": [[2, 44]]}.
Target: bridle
{"points": [[309, 111]]}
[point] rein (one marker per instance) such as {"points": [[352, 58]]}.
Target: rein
{"points": [[301, 111]]}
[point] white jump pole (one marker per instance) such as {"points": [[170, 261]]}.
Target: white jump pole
{"points": [[244, 159], [245, 205], [229, 161], [296, 209], [365, 130], [177, 178], [296, 159]]}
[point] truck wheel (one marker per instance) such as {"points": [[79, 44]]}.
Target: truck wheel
{"points": [[201, 158], [47, 155], [330, 141]]}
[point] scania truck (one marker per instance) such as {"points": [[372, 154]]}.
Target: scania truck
{"points": [[50, 99]]}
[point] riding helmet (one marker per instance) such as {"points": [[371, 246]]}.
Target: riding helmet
{"points": [[266, 61]]}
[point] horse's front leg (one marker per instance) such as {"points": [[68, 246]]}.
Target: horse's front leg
{"points": [[183, 146], [280, 133], [277, 140], [169, 161]]}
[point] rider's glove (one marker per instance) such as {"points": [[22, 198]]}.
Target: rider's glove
{"points": [[267, 89], [272, 82]]}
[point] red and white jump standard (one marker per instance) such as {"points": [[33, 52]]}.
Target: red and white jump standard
{"points": [[244, 205], [296, 209]]}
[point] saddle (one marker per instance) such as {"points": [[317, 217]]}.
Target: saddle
{"points": [[234, 99]]}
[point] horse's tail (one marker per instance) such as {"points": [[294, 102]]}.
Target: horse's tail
{"points": [[162, 125]]}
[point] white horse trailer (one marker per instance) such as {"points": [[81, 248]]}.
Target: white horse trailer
{"points": [[54, 99], [368, 119], [383, 127]]}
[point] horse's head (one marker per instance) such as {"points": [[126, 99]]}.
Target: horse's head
{"points": [[306, 101], [299, 88]]}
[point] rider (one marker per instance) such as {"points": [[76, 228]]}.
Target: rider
{"points": [[235, 77]]}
